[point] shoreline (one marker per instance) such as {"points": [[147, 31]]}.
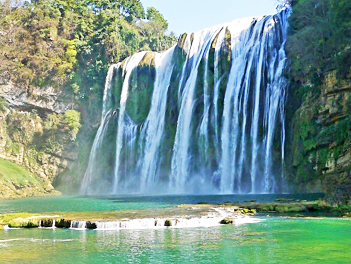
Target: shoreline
{"points": [[198, 215], [180, 216]]}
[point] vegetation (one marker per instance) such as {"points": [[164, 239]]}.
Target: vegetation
{"points": [[3, 105], [319, 48], [72, 42], [68, 45], [303, 207], [16, 181], [320, 39], [72, 119]]}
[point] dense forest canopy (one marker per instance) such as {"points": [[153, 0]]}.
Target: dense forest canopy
{"points": [[320, 39], [71, 43]]}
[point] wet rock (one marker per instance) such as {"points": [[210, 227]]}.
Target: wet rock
{"points": [[168, 222], [91, 225], [284, 200], [247, 211], [46, 222], [23, 224], [226, 221], [63, 223]]}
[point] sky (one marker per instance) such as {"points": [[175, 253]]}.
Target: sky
{"points": [[194, 15]]}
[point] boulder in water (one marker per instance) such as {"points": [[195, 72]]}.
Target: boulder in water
{"points": [[91, 225], [46, 222], [63, 223], [226, 221], [168, 222]]}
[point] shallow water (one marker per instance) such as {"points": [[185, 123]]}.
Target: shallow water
{"points": [[276, 240], [106, 203]]}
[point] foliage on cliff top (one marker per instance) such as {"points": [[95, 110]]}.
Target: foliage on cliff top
{"points": [[320, 39], [72, 42]]}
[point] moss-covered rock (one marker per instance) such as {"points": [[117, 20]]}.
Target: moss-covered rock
{"points": [[46, 222], [168, 223], [20, 223], [91, 225], [35, 141], [63, 223], [141, 89], [320, 138], [226, 221]]}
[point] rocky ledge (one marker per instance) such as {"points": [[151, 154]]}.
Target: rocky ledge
{"points": [[297, 208], [201, 215]]}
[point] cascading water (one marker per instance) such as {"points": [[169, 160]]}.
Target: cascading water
{"points": [[153, 127], [206, 116]]}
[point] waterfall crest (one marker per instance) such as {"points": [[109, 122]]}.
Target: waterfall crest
{"points": [[206, 116]]}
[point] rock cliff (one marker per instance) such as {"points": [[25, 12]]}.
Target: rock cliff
{"points": [[320, 140], [35, 133]]}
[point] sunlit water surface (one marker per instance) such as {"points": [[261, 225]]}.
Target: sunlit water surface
{"points": [[106, 203], [275, 240]]}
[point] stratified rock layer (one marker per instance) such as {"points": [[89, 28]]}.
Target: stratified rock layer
{"points": [[321, 140]]}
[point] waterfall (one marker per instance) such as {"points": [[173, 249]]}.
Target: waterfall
{"points": [[201, 42], [153, 128], [123, 125], [89, 174], [206, 116]]}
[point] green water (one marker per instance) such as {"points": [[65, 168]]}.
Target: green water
{"points": [[76, 204], [276, 240], [106, 203]]}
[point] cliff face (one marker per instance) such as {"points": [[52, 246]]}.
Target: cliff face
{"points": [[320, 146], [35, 133]]}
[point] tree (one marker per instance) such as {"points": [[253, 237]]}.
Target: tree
{"points": [[154, 30], [319, 38], [153, 15], [71, 43]]}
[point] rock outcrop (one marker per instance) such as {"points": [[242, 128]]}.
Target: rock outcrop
{"points": [[321, 140], [35, 133]]}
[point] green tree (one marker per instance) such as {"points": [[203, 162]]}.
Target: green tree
{"points": [[319, 38], [73, 41], [153, 15], [153, 31]]}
